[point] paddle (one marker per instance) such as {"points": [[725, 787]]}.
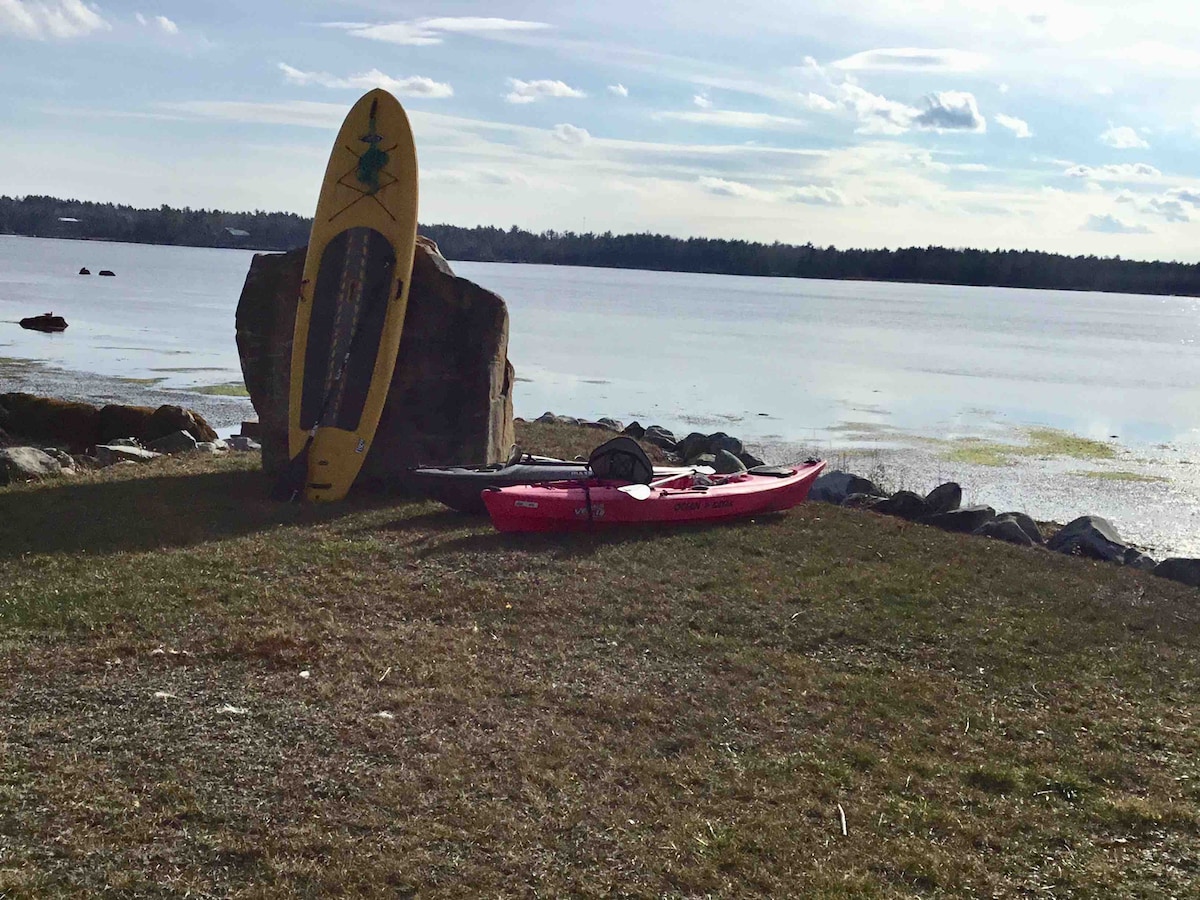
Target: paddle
{"points": [[644, 491], [291, 480]]}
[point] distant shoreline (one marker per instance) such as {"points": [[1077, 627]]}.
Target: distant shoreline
{"points": [[267, 232]]}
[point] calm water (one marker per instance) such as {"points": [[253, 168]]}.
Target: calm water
{"points": [[766, 358]]}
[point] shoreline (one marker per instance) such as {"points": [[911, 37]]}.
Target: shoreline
{"points": [[1150, 494]]}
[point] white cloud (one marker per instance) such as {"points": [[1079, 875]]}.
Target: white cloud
{"points": [[619, 89], [49, 19], [1018, 127], [816, 195], [913, 58], [1170, 207], [531, 91], [414, 86], [1110, 224], [1115, 172], [702, 101], [1158, 55], [569, 134], [1187, 195], [166, 25], [818, 102], [732, 118], [724, 188], [950, 111], [876, 114], [1122, 137], [423, 32]]}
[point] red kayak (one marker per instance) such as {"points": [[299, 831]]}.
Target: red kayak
{"points": [[690, 497]]}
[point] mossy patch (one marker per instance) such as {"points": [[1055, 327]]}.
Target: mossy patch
{"points": [[228, 389], [144, 381], [1039, 442], [1120, 476]]}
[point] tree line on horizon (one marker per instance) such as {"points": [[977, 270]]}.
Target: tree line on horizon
{"points": [[42, 216]]}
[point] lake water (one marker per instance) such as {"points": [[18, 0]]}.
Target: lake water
{"points": [[888, 370]]}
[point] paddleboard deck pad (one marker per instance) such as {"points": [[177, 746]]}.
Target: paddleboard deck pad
{"points": [[353, 296]]}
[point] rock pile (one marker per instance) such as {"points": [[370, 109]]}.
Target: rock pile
{"points": [[1089, 536]]}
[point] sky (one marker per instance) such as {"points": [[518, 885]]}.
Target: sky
{"points": [[1069, 127]]}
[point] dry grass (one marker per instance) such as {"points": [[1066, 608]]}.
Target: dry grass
{"points": [[641, 714]]}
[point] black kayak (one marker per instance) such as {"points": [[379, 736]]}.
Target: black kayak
{"points": [[459, 487]]}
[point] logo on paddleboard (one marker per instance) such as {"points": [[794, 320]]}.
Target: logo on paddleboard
{"points": [[373, 159], [362, 445]]}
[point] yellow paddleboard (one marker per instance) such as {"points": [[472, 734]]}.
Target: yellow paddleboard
{"points": [[354, 295]]}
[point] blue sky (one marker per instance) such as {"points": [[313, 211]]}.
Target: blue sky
{"points": [[1069, 127]]}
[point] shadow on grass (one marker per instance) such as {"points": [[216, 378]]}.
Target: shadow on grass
{"points": [[571, 544], [150, 513]]}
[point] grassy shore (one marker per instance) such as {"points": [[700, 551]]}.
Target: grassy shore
{"points": [[203, 693]]}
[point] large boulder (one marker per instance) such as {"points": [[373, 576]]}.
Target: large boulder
{"points": [[26, 464], [967, 520], [904, 504], [1181, 569], [451, 394], [836, 486], [1090, 536]]}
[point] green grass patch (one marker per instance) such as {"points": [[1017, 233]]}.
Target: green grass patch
{"points": [[385, 698]]}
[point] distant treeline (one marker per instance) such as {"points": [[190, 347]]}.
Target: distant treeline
{"points": [[51, 217]]}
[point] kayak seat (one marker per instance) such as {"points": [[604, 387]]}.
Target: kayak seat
{"points": [[621, 459], [773, 471]]}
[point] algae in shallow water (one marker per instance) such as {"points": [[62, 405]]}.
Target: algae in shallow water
{"points": [[1120, 476], [1039, 442], [228, 389]]}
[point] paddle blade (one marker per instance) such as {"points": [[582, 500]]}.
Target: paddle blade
{"points": [[636, 491], [290, 483]]}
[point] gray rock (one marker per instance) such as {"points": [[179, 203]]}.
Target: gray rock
{"points": [[176, 442], [26, 464], [966, 520], [660, 437], [904, 504], [123, 442], [727, 464], [111, 454], [944, 498], [635, 430], [702, 459], [242, 444], [611, 424], [834, 487], [722, 441], [1136, 559], [749, 460], [858, 501], [65, 459], [1027, 525], [252, 430], [693, 445], [1181, 569], [1090, 536], [1005, 530]]}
